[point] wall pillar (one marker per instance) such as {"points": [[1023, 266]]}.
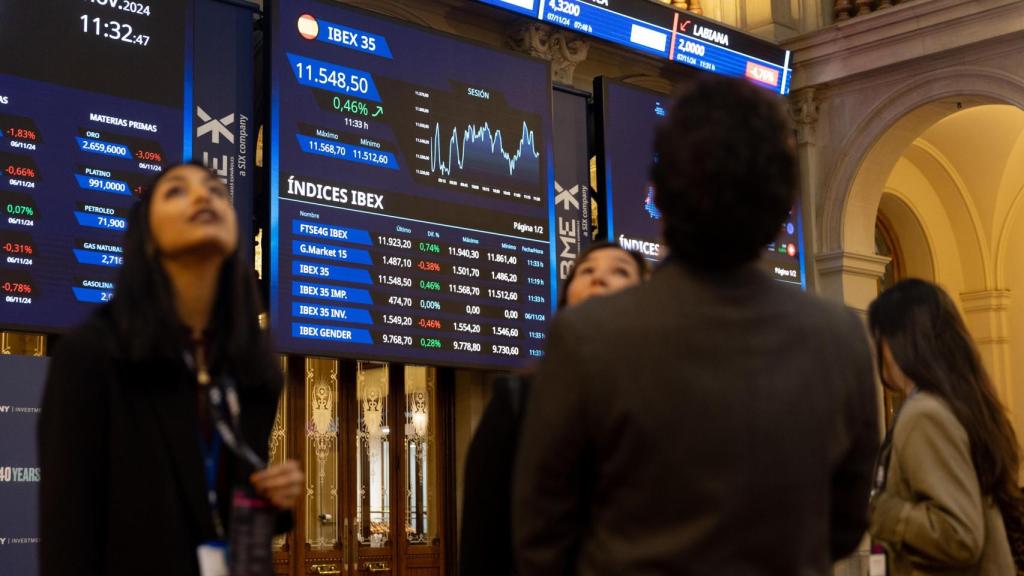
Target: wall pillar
{"points": [[987, 317], [850, 277], [804, 107]]}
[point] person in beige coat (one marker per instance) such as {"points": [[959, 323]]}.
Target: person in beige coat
{"points": [[948, 469]]}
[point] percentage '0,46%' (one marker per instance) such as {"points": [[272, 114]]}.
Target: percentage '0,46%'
{"points": [[350, 106]]}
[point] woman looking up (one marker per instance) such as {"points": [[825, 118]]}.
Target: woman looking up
{"points": [[142, 397], [604, 268]]}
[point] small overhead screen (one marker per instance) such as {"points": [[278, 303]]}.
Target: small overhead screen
{"points": [[627, 120], [665, 32], [410, 192]]}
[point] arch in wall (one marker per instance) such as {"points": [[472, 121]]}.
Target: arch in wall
{"points": [[854, 188], [1014, 196], [1005, 233], [959, 210], [903, 220]]}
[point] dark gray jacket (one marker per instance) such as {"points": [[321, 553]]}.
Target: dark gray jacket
{"points": [[719, 426]]}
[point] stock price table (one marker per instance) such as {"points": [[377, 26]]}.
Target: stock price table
{"points": [[91, 108], [411, 184], [663, 32]]}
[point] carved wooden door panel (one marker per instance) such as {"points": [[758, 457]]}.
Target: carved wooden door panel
{"points": [[371, 440], [313, 410]]}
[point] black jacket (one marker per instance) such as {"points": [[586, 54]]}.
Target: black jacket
{"points": [[485, 548], [122, 488], [718, 426]]}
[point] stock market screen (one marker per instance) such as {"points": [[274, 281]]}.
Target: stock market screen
{"points": [[92, 101], [627, 122], [410, 192], [664, 32]]}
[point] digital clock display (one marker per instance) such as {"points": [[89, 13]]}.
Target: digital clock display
{"points": [[113, 30], [92, 107], [411, 187], [96, 98]]}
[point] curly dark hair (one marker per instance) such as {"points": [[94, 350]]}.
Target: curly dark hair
{"points": [[726, 175]]}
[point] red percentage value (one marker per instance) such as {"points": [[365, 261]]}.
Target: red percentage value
{"points": [[20, 171], [429, 323], [428, 266], [16, 288], [16, 248], [22, 134], [149, 156]]}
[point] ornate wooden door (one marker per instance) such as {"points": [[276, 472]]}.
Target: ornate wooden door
{"points": [[372, 439]]}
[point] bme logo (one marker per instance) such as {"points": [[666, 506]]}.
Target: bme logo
{"points": [[215, 127]]}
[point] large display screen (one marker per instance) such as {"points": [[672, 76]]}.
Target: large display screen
{"points": [[92, 101], [410, 192], [627, 124], [664, 32]]}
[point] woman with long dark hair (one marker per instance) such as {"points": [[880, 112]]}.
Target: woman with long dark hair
{"points": [[158, 409], [947, 472]]}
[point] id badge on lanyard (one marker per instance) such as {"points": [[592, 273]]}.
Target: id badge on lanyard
{"points": [[252, 517], [213, 559], [212, 555], [248, 551]]}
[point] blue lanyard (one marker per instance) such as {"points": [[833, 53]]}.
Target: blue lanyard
{"points": [[211, 461]]}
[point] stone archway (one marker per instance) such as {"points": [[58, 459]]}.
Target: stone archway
{"points": [[970, 223], [855, 185], [866, 154]]}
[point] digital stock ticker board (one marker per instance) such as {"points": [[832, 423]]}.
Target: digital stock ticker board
{"points": [[663, 32], [627, 121], [91, 108], [410, 192]]}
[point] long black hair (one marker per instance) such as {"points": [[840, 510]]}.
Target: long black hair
{"points": [[143, 310], [641, 266], [931, 345]]}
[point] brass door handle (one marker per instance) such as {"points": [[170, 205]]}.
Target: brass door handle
{"points": [[374, 567], [323, 569]]}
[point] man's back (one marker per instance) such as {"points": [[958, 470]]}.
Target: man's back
{"points": [[723, 426]]}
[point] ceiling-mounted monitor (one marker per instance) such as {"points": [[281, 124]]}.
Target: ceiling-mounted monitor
{"points": [[664, 32], [410, 192], [627, 120]]}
